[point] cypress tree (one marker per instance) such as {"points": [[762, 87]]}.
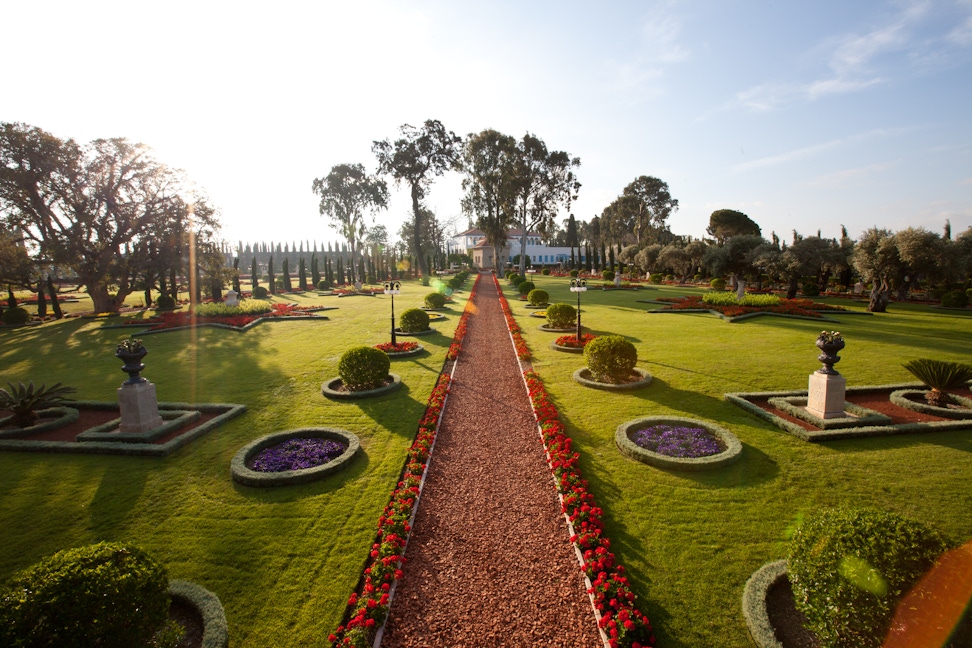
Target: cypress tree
{"points": [[603, 257], [270, 278], [340, 271], [254, 280], [611, 254], [286, 274], [328, 272], [301, 274], [372, 278], [361, 270], [315, 271], [236, 275]]}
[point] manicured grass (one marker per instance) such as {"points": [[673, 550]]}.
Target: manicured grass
{"points": [[691, 540], [282, 561]]}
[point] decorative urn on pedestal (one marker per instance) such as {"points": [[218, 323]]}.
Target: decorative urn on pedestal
{"points": [[825, 397], [137, 402]]}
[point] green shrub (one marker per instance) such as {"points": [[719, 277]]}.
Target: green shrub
{"points": [[573, 274], [435, 300], [718, 284], [364, 367], [15, 315], [109, 595], [414, 320], [608, 275], [323, 284], [220, 309], [525, 287], [260, 292], [849, 568], [939, 376], [516, 279], [561, 315], [697, 278], [810, 289], [955, 299], [656, 278], [610, 358], [538, 297], [545, 271], [669, 277], [454, 283], [729, 299], [165, 301]]}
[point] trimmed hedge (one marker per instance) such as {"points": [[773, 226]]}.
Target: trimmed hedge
{"points": [[610, 358], [215, 630], [15, 315], [538, 297], [561, 315], [414, 320], [165, 302], [363, 367], [525, 287], [715, 284], [435, 300]]}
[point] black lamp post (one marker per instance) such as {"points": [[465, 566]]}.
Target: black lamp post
{"points": [[578, 286], [393, 288]]}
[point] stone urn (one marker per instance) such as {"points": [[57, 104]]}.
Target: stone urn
{"points": [[133, 363], [828, 356]]}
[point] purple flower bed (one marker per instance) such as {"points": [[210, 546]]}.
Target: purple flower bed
{"points": [[678, 441], [297, 454]]}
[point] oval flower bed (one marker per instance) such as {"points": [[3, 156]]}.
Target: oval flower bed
{"points": [[570, 344], [294, 457], [334, 388], [400, 349], [914, 399], [677, 443]]}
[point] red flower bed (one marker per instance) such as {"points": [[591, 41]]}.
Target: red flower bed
{"points": [[803, 307], [398, 347], [181, 318], [624, 624], [571, 340], [368, 606], [522, 351]]}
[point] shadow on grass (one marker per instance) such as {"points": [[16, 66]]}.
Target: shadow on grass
{"points": [[717, 376], [329, 484], [954, 439], [118, 493], [398, 412]]}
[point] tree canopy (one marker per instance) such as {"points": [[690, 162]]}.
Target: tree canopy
{"points": [[725, 223], [490, 186], [643, 208]]}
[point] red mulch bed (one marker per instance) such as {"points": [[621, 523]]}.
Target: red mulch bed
{"points": [[90, 418], [877, 400]]}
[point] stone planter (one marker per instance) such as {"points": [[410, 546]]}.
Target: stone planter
{"points": [[133, 364], [548, 329], [248, 477], [209, 607], [566, 349], [428, 331], [394, 355], [906, 398], [732, 452], [332, 389], [583, 376], [761, 620]]}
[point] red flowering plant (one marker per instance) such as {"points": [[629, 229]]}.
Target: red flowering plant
{"points": [[522, 351], [180, 319], [398, 347], [571, 340], [801, 307], [460, 333], [624, 625]]}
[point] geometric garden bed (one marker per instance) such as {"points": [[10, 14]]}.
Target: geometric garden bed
{"points": [[88, 427], [872, 412]]}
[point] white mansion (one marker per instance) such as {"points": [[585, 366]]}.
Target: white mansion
{"points": [[473, 243]]}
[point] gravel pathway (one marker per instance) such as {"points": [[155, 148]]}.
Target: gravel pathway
{"points": [[489, 562]]}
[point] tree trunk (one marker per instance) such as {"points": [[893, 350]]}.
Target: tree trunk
{"points": [[417, 233], [52, 291], [903, 291], [792, 287], [105, 302], [824, 280], [173, 285], [880, 296]]}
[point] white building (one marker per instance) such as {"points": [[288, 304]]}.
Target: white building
{"points": [[473, 243]]}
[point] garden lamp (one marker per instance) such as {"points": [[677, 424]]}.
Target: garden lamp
{"points": [[393, 288], [578, 286]]}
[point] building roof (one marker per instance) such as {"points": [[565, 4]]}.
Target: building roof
{"points": [[513, 231]]}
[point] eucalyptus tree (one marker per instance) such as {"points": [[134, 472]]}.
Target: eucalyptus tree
{"points": [[416, 158], [92, 208], [347, 192], [643, 208], [490, 185]]}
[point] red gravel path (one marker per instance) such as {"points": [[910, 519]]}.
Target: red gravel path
{"points": [[489, 562]]}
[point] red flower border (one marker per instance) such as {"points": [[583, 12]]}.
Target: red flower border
{"points": [[181, 319], [368, 605], [522, 351]]}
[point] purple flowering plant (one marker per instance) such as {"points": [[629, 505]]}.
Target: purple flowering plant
{"points": [[678, 441], [297, 454]]}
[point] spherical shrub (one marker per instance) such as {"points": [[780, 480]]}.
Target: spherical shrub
{"points": [[538, 297], [955, 299], [810, 289], [435, 300], [414, 320], [109, 595], [15, 315], [516, 279], [165, 301], [323, 284], [364, 368], [525, 287], [561, 315], [657, 278], [545, 271], [849, 568], [573, 274], [610, 358], [608, 275], [260, 292], [718, 284], [454, 283]]}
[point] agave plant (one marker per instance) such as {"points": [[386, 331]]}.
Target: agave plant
{"points": [[939, 377], [26, 401]]}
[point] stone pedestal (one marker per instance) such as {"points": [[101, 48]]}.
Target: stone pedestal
{"points": [[232, 298], [826, 397], [139, 407]]}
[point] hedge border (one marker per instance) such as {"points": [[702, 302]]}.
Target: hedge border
{"points": [[395, 355], [630, 449], [248, 477], [566, 349], [227, 327], [900, 398], [795, 406], [174, 419], [646, 379], [224, 412], [740, 399], [546, 329], [754, 603], [66, 415], [215, 628], [428, 331], [330, 392]]}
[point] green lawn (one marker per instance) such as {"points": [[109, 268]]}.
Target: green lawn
{"points": [[690, 541], [283, 561]]}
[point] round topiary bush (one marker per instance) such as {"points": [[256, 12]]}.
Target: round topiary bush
{"points": [[260, 292], [323, 284], [561, 315], [955, 299], [109, 595], [718, 284], [15, 315], [538, 297], [545, 271], [573, 274], [525, 287], [810, 289], [165, 301], [413, 320], [435, 300], [608, 275], [850, 567], [454, 283], [610, 358], [362, 368], [516, 279]]}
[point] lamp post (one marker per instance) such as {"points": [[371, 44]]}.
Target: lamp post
{"points": [[393, 288], [578, 286]]}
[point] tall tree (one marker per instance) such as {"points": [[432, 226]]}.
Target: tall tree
{"points": [[643, 208], [877, 260], [489, 165], [346, 193], [724, 223], [254, 277], [416, 158]]}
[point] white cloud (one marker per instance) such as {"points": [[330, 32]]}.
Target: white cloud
{"points": [[845, 175], [807, 151]]}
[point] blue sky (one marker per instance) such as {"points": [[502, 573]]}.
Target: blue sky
{"points": [[804, 116]]}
